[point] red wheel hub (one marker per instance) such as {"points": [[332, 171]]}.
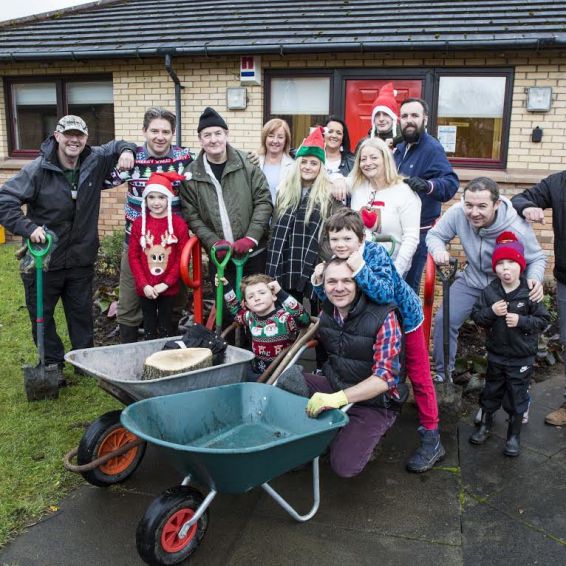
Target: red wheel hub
{"points": [[170, 540]]}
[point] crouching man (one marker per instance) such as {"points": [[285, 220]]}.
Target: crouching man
{"points": [[363, 341]]}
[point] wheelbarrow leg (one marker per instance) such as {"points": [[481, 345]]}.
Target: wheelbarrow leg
{"points": [[198, 513], [316, 496]]}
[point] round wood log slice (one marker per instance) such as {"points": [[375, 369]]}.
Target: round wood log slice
{"points": [[171, 362]]}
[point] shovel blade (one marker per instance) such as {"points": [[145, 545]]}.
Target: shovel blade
{"points": [[42, 382]]}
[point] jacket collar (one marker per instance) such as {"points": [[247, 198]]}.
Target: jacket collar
{"points": [[234, 162]]}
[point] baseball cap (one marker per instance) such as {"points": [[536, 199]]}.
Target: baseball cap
{"points": [[71, 123]]}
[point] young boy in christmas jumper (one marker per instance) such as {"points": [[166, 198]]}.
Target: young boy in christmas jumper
{"points": [[377, 277], [513, 323], [272, 328], [154, 253]]}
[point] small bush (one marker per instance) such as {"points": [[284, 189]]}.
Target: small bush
{"points": [[110, 254]]}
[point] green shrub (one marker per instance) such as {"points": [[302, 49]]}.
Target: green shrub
{"points": [[110, 254]]}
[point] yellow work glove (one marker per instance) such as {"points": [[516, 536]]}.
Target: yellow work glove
{"points": [[322, 401]]}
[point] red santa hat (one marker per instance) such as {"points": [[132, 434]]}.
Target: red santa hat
{"points": [[507, 246], [160, 183], [385, 102]]}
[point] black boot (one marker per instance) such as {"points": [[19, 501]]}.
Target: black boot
{"points": [[513, 444], [128, 334], [484, 432]]}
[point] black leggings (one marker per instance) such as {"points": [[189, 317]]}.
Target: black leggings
{"points": [[157, 322]]}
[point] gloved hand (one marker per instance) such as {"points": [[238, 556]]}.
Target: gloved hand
{"points": [[221, 253], [243, 246], [418, 185], [322, 401], [369, 217]]}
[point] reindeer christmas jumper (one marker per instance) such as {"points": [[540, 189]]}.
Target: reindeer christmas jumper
{"points": [[159, 261]]}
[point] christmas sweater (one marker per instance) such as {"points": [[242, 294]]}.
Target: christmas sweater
{"points": [[273, 332], [159, 261], [177, 161]]}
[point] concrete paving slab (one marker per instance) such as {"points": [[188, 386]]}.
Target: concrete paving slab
{"points": [[493, 537], [285, 543]]}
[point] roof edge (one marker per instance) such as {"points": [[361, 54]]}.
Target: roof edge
{"points": [[281, 49]]}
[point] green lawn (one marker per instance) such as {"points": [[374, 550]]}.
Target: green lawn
{"points": [[35, 436]]}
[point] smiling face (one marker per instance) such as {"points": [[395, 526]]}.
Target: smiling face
{"points": [[275, 142], [413, 121], [339, 286], [479, 208], [158, 137], [343, 243], [383, 122], [156, 204], [371, 163], [334, 135], [309, 168], [70, 146], [259, 298]]}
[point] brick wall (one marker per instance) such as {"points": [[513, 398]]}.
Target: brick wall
{"points": [[139, 84]]}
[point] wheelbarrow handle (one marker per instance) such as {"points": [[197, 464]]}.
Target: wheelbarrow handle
{"points": [[446, 273], [40, 250]]}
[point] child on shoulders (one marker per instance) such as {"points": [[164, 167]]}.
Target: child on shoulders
{"points": [[154, 253], [513, 323], [272, 328]]}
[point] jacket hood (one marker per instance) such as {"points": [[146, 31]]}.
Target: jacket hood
{"points": [[48, 151], [504, 217]]}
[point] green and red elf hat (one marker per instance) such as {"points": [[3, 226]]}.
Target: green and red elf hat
{"points": [[313, 145]]}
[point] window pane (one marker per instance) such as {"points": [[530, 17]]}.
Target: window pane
{"points": [[93, 102], [35, 113], [470, 116], [302, 101]]}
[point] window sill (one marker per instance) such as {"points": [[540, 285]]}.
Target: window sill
{"points": [[14, 164], [506, 176]]}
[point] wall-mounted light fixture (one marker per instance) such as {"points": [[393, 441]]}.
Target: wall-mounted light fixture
{"points": [[539, 98], [236, 98]]}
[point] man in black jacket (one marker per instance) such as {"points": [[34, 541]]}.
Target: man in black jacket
{"points": [[61, 190], [530, 204]]}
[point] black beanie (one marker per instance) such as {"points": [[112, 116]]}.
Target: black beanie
{"points": [[210, 118]]}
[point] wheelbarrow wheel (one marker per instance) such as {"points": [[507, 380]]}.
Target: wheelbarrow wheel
{"points": [[104, 435], [157, 535]]}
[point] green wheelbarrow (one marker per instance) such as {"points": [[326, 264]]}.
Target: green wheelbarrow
{"points": [[41, 381], [234, 438]]}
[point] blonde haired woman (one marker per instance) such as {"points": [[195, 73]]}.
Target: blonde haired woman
{"points": [[304, 202], [389, 208], [274, 158]]}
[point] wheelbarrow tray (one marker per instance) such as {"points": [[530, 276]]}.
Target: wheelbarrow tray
{"points": [[121, 366], [235, 437]]}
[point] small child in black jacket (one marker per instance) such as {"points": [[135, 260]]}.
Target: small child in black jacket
{"points": [[513, 324]]}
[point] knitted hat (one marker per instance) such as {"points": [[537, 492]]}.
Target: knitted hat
{"points": [[210, 118], [385, 102], [313, 144], [508, 247], [160, 183]]}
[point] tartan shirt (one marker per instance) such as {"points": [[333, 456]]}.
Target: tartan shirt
{"points": [[386, 351]]}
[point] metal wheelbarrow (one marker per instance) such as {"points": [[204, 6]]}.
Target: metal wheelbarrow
{"points": [[230, 439], [108, 453]]}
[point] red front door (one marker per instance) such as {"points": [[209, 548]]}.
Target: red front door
{"points": [[360, 95]]}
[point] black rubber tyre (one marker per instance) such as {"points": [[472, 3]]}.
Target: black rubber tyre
{"points": [[105, 434], [157, 537]]}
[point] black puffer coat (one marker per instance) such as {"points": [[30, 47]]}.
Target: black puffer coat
{"points": [[511, 346]]}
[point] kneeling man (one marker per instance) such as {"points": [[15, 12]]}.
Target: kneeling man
{"points": [[363, 341]]}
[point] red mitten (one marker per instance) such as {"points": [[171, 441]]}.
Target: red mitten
{"points": [[220, 253], [369, 217], [243, 246]]}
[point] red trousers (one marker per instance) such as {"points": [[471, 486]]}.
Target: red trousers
{"points": [[418, 371]]}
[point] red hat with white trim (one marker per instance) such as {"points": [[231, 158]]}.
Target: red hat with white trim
{"points": [[385, 102], [161, 183]]}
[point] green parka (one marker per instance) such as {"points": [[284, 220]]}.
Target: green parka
{"points": [[246, 196]]}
